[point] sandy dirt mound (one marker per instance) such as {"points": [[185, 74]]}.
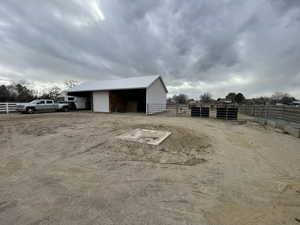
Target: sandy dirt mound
{"points": [[183, 147]]}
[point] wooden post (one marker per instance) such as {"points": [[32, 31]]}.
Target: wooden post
{"points": [[7, 109], [226, 112], [266, 115], [282, 113]]}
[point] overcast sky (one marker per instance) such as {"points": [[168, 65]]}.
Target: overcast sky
{"points": [[248, 46]]}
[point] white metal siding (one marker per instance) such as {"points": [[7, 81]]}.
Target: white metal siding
{"points": [[101, 101], [156, 97]]}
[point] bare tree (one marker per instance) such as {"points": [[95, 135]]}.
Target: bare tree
{"points": [[180, 99], [71, 83], [205, 97], [54, 92], [277, 96], [280, 97]]}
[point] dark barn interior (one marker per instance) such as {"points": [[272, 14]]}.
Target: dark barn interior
{"points": [[133, 100]]}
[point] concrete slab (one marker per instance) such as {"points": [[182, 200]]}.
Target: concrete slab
{"points": [[151, 137]]}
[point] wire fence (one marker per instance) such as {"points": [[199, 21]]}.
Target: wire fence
{"points": [[289, 114]]}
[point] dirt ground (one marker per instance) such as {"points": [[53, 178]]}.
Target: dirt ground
{"points": [[69, 168]]}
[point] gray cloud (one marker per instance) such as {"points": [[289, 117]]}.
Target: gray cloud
{"points": [[197, 45]]}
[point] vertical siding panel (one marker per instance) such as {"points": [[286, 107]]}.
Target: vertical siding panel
{"points": [[156, 97]]}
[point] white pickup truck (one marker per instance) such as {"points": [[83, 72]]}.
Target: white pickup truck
{"points": [[41, 105]]}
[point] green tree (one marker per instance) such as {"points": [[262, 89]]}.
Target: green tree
{"points": [[231, 97], [4, 94], [287, 100], [239, 98], [23, 93], [16, 93]]}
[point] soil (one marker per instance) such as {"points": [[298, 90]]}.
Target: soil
{"points": [[70, 168]]}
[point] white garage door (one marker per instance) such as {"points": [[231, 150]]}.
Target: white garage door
{"points": [[101, 101]]}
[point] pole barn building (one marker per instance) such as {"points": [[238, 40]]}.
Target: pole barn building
{"points": [[146, 94]]}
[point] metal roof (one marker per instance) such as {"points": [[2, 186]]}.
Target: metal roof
{"points": [[117, 84]]}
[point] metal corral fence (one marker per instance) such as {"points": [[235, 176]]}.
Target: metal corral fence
{"points": [[271, 112], [178, 109], [227, 112], [220, 111], [155, 108], [6, 107]]}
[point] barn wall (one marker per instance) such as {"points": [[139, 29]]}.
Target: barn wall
{"points": [[101, 101], [156, 97]]}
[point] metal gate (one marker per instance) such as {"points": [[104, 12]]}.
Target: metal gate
{"points": [[227, 113], [200, 112]]}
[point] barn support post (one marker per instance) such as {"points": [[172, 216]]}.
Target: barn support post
{"points": [[147, 109]]}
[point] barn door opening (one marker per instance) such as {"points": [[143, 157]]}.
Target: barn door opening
{"points": [[133, 100]]}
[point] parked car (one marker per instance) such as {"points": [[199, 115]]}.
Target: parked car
{"points": [[74, 102], [41, 105]]}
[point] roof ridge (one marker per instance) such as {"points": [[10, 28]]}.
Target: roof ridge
{"points": [[123, 78]]}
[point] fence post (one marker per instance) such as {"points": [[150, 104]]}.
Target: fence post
{"points": [[282, 113], [7, 110], [266, 114]]}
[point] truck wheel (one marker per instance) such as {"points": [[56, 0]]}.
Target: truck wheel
{"points": [[30, 110], [66, 109]]}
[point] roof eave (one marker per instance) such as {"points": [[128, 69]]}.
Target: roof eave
{"points": [[111, 89]]}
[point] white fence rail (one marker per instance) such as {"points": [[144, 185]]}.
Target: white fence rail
{"points": [[6, 107], [155, 108]]}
